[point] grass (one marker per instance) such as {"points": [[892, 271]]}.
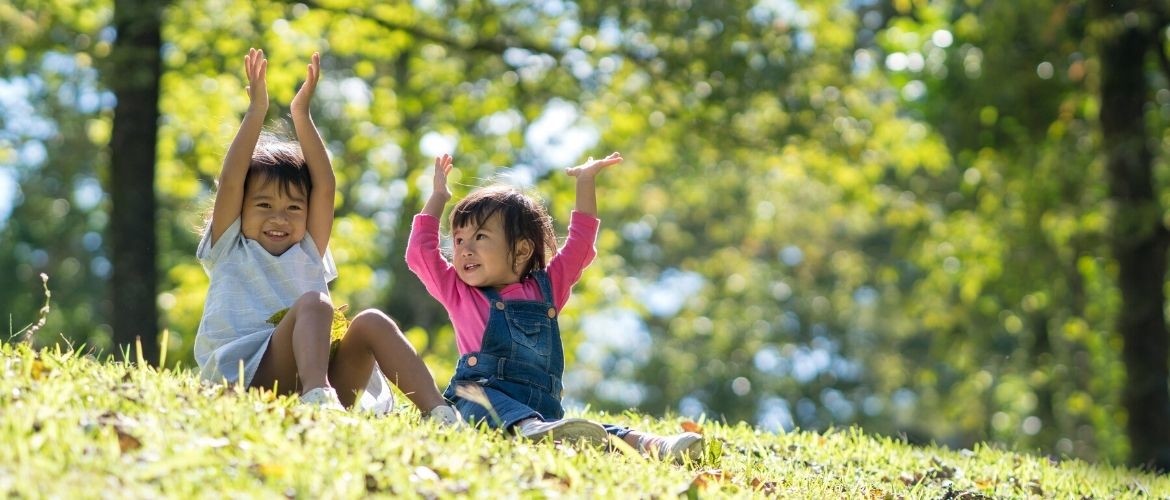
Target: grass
{"points": [[76, 427]]}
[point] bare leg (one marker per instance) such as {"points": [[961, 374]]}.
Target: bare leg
{"points": [[373, 336], [299, 348]]}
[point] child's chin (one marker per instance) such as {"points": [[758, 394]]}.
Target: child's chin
{"points": [[277, 251], [473, 281]]}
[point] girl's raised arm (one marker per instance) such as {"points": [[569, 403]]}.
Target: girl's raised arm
{"points": [[229, 194], [320, 223], [587, 185]]}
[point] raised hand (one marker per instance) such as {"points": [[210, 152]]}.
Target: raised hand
{"points": [[593, 167], [443, 165], [300, 102], [256, 69], [441, 194], [586, 185]]}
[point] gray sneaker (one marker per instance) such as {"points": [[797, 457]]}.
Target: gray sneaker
{"points": [[678, 448], [324, 397], [445, 416], [567, 429]]}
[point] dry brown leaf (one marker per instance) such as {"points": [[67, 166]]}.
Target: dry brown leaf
{"points": [[710, 478], [126, 441], [765, 487]]}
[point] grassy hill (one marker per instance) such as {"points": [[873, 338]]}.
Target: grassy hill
{"points": [[76, 427]]}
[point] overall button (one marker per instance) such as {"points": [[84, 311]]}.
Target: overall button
{"points": [[500, 305], [552, 312], [472, 361]]}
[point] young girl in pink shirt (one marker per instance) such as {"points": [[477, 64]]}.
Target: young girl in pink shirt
{"points": [[504, 289]]}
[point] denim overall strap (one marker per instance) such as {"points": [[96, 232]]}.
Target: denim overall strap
{"points": [[545, 284]]}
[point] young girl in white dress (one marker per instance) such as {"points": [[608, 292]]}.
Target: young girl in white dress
{"points": [[266, 251]]}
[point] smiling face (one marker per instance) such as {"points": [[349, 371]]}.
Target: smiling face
{"points": [[275, 216], [483, 257]]}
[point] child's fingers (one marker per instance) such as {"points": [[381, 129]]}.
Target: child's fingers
{"points": [[442, 166]]}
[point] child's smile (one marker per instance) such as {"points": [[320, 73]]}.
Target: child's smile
{"points": [[273, 217]]}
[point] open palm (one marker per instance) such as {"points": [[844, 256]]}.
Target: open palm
{"points": [[300, 102], [592, 167], [256, 69]]}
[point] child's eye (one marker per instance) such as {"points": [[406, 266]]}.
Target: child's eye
{"points": [[263, 205], [458, 241], [480, 236], [295, 207]]}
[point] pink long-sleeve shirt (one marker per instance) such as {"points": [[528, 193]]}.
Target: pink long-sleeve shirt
{"points": [[467, 305]]}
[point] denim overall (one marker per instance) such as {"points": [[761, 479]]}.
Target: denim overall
{"points": [[519, 366]]}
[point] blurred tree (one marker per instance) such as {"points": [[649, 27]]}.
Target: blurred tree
{"points": [[1009, 264], [54, 126], [1134, 38], [1045, 299], [133, 74]]}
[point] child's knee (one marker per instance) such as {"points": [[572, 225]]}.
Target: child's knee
{"points": [[374, 320], [314, 302]]}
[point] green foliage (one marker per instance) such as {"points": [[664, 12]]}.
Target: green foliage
{"points": [[77, 427]]}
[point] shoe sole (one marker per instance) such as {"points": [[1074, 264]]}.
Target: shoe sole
{"points": [[577, 430]]}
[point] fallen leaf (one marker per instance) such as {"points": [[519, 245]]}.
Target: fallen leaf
{"points": [[270, 470], [710, 478], [910, 479], [37, 370], [564, 483], [126, 441], [765, 487], [691, 426]]}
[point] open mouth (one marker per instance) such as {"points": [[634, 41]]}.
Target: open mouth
{"points": [[470, 267], [275, 234]]}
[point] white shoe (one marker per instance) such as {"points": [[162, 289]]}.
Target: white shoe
{"points": [[567, 429], [324, 397], [678, 448], [445, 416]]}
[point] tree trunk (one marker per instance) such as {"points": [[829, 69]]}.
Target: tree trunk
{"points": [[133, 74], [1139, 236]]}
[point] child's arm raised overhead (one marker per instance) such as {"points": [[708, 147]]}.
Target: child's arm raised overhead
{"points": [[229, 193], [320, 222], [440, 195], [587, 185]]}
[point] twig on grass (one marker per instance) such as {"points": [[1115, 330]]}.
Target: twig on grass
{"points": [[27, 332]]}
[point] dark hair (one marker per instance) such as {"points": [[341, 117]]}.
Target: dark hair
{"points": [[279, 160], [523, 218]]}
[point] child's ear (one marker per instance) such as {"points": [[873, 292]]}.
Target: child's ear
{"points": [[522, 254]]}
